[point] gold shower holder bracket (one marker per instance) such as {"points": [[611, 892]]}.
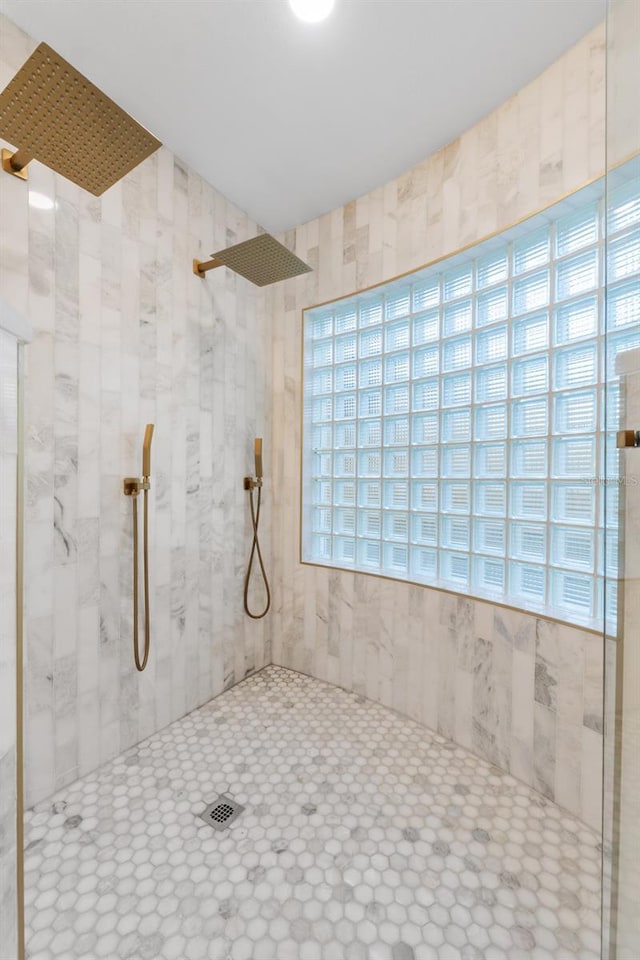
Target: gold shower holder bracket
{"points": [[132, 486], [249, 483]]}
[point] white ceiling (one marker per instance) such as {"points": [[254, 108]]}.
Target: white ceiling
{"points": [[288, 119]]}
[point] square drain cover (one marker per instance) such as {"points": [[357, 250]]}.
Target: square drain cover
{"points": [[221, 813]]}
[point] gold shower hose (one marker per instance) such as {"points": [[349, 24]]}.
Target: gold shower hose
{"points": [[145, 512], [255, 548]]}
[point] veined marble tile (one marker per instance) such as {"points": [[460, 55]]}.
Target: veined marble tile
{"points": [[8, 847], [8, 641]]}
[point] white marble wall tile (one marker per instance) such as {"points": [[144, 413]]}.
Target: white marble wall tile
{"points": [[8, 890], [570, 714], [522, 716], [521, 692], [8, 640], [593, 687], [544, 749], [39, 689], [14, 262]]}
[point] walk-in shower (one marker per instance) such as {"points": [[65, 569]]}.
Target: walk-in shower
{"points": [[377, 658]]}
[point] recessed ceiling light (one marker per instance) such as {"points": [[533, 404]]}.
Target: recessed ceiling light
{"points": [[40, 201], [312, 11]]}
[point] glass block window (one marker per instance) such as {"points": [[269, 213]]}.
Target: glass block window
{"points": [[455, 426]]}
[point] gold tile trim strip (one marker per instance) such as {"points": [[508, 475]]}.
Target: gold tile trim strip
{"points": [[20, 660], [474, 243], [54, 114]]}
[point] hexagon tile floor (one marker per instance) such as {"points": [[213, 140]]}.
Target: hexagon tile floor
{"points": [[365, 837]]}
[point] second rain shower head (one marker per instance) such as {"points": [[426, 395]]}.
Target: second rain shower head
{"points": [[262, 260], [53, 114]]}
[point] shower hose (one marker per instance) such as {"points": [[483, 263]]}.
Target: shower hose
{"points": [[255, 548], [141, 664]]}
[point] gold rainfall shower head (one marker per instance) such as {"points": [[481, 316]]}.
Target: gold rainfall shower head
{"points": [[261, 260], [53, 114]]}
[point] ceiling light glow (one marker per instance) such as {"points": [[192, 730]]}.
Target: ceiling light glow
{"points": [[40, 201], [312, 11]]}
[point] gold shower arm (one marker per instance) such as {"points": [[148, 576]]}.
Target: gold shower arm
{"points": [[16, 163], [200, 267]]}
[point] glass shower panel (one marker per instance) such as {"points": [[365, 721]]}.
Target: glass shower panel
{"points": [[621, 823]]}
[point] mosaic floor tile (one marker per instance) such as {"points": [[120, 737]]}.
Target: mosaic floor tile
{"points": [[365, 837]]}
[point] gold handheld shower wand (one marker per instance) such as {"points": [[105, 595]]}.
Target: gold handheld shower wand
{"points": [[146, 451], [132, 487], [250, 484], [257, 453]]}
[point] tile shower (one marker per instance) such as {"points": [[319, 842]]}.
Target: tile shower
{"points": [[446, 802]]}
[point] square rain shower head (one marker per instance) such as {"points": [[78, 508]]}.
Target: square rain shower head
{"points": [[262, 260], [52, 113]]}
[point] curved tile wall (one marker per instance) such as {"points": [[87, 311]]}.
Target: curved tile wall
{"points": [[520, 691]]}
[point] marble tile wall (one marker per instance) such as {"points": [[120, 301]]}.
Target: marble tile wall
{"points": [[8, 637], [124, 334], [522, 692]]}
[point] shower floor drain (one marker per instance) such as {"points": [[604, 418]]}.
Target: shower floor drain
{"points": [[221, 813]]}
